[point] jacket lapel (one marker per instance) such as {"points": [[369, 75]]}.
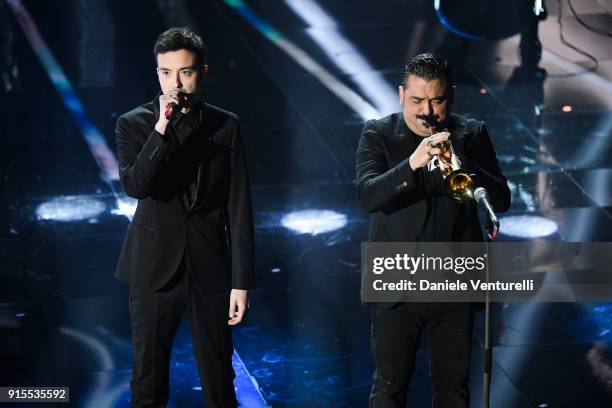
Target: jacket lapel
{"points": [[410, 142], [459, 135]]}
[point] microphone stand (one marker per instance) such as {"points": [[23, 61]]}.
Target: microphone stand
{"points": [[488, 351], [492, 229]]}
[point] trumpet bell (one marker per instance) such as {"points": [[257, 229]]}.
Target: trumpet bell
{"points": [[459, 186]]}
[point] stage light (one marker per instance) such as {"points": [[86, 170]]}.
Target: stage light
{"points": [[527, 226], [566, 108], [95, 140], [125, 206], [327, 33], [70, 208], [362, 107], [314, 221], [483, 91]]}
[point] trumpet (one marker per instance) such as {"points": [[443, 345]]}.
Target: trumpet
{"points": [[458, 182]]}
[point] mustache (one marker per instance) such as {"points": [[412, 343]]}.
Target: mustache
{"points": [[430, 120]]}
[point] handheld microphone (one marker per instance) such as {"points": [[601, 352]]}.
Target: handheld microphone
{"points": [[170, 110], [492, 224], [186, 100]]}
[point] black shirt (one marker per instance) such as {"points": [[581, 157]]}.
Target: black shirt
{"points": [[182, 126]]}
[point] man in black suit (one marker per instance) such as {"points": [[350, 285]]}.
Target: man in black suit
{"points": [[189, 246], [400, 187]]}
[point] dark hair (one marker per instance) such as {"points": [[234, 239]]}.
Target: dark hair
{"points": [[181, 38], [429, 67]]}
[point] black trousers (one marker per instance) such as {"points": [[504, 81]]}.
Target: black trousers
{"points": [[155, 317], [396, 337]]}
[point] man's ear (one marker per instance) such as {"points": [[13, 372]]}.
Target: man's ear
{"points": [[401, 95], [451, 94]]}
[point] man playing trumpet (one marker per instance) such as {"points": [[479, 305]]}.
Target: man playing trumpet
{"points": [[400, 183]]}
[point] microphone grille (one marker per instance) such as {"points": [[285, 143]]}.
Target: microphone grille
{"points": [[480, 193]]}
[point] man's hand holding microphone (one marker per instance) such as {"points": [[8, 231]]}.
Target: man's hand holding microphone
{"points": [[168, 104]]}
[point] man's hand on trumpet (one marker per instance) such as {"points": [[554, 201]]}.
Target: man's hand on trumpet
{"points": [[428, 148]]}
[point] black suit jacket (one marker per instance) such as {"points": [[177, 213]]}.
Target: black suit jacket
{"points": [[216, 228], [399, 198]]}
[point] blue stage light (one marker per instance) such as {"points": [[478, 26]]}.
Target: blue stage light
{"points": [[126, 206], [314, 221], [70, 208], [527, 226]]}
